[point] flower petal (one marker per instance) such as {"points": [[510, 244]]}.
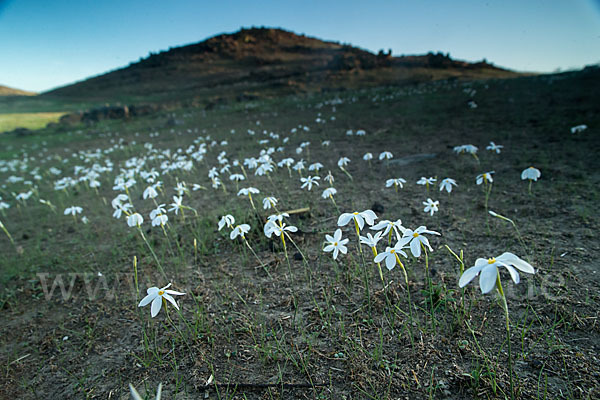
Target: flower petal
{"points": [[487, 279], [390, 261], [469, 274], [156, 306], [146, 300], [344, 219], [171, 300]]}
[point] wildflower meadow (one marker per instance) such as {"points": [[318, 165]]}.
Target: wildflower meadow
{"points": [[387, 243]]}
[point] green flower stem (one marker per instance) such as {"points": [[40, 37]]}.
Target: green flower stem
{"points": [[364, 264], [428, 279], [505, 307], [162, 271]]}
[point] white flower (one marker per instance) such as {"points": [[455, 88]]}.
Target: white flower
{"points": [[236, 177], [466, 148], [160, 220], [309, 182], [73, 210], [531, 173], [278, 230], [329, 192], [485, 177], [315, 167], [150, 192], [359, 218], [416, 239], [239, 230], [368, 156], [489, 270], [342, 162], [426, 181], [269, 202], [494, 147], [336, 243], [390, 255], [396, 226], [431, 206], [385, 155], [447, 184], [135, 220], [395, 182], [160, 209], [156, 296], [329, 178], [176, 205], [226, 221], [122, 208], [578, 128], [248, 191], [371, 240]]}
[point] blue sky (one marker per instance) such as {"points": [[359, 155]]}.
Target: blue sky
{"points": [[50, 43]]}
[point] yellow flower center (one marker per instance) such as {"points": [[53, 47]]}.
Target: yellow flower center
{"points": [[485, 176], [491, 260], [161, 292], [355, 213], [415, 234], [335, 243], [393, 251]]}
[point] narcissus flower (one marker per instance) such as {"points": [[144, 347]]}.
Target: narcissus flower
{"points": [[385, 155], [135, 220], [156, 296], [343, 161], [431, 206], [486, 177], [447, 184], [371, 240], [359, 218], [579, 128], [396, 182], [278, 230], [74, 210], [494, 147], [368, 157], [239, 230], [489, 270], [531, 173], [336, 243], [426, 181], [390, 255], [309, 182], [416, 238], [226, 221], [329, 193], [269, 202]]}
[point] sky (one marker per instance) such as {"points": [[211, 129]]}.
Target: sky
{"points": [[50, 43]]}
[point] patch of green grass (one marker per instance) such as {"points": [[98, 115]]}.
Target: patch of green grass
{"points": [[31, 121]]}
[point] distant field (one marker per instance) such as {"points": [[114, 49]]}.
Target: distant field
{"points": [[39, 120]]}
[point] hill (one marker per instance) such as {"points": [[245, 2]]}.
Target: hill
{"points": [[8, 91], [264, 62]]}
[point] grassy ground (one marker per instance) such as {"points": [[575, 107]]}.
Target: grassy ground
{"points": [[257, 324], [9, 122]]}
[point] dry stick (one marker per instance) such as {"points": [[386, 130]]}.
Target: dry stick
{"points": [[262, 385]]}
